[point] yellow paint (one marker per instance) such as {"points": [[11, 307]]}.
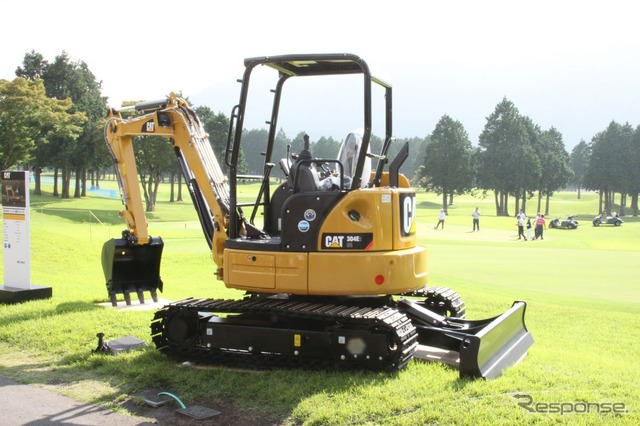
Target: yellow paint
{"points": [[12, 216]]}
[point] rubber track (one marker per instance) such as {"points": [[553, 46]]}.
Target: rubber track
{"points": [[396, 324], [442, 300]]}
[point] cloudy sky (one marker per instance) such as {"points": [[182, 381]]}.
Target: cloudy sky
{"points": [[573, 65]]}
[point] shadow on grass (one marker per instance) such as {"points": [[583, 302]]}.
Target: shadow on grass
{"points": [[242, 396], [430, 205], [59, 309], [461, 382], [107, 217], [67, 208]]}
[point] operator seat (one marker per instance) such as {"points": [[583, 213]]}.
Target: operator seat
{"points": [[302, 172], [307, 178], [348, 157]]}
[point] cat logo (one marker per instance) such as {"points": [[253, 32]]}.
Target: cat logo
{"points": [[408, 214], [149, 127], [333, 241]]}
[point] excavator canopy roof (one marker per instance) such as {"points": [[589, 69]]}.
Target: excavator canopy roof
{"points": [[315, 64]]}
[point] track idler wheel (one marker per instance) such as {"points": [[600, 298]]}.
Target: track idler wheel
{"points": [[174, 328], [181, 329], [444, 301]]}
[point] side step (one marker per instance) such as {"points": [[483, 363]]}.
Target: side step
{"points": [[479, 349]]}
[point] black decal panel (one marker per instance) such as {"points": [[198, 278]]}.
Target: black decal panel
{"points": [[407, 214], [353, 241]]}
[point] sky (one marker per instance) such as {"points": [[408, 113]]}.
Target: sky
{"points": [[572, 65]]}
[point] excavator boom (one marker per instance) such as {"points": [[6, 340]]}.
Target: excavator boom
{"points": [[132, 263]]}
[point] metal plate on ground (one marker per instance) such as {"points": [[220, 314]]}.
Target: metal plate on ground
{"points": [[198, 412], [125, 344], [154, 400]]}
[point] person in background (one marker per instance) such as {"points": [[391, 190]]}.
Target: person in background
{"points": [[540, 225], [528, 228], [521, 227], [476, 220], [441, 218]]}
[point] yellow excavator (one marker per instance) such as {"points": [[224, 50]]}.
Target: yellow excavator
{"points": [[327, 258]]}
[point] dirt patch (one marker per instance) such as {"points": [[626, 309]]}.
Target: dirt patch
{"points": [[229, 414]]}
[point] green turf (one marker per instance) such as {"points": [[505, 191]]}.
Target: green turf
{"points": [[580, 286]]}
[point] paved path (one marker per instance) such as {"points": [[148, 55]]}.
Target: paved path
{"points": [[30, 405]]}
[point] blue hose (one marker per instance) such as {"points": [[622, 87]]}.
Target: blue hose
{"points": [[174, 397]]}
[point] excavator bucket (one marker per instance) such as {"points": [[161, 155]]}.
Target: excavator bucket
{"points": [[479, 349], [130, 268]]}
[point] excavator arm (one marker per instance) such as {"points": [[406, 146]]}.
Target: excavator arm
{"points": [[132, 263]]}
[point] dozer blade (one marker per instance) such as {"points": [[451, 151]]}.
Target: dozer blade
{"points": [[479, 349], [130, 268]]}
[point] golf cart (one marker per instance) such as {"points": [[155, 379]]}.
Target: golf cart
{"points": [[609, 220], [569, 223]]}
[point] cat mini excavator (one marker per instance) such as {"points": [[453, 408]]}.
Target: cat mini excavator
{"points": [[330, 270]]}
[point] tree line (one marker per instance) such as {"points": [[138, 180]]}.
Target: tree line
{"points": [[516, 158], [52, 118]]}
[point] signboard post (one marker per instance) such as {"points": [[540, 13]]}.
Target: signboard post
{"points": [[17, 241]]}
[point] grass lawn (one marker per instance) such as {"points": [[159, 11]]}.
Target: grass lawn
{"points": [[583, 311]]}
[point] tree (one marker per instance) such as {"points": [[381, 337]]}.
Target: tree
{"points": [[254, 142], [153, 158], [504, 149], [526, 181], [554, 159], [18, 113], [415, 160], [91, 147], [631, 183], [33, 66], [66, 79], [578, 160], [28, 118], [606, 171], [326, 148], [447, 164], [175, 176], [217, 126]]}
